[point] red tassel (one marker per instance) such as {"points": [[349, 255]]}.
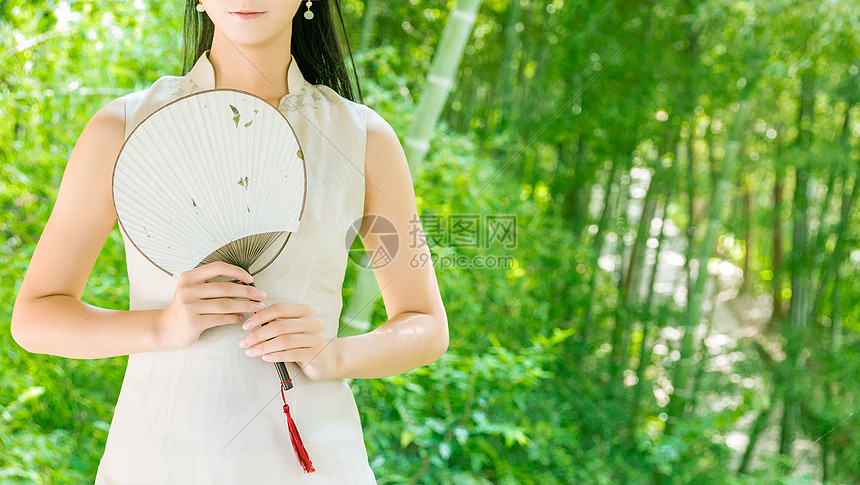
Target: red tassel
{"points": [[296, 440]]}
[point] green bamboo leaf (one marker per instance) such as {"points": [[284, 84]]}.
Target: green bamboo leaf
{"points": [[235, 115]]}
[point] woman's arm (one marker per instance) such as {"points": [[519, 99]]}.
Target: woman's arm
{"points": [[49, 317], [416, 333]]}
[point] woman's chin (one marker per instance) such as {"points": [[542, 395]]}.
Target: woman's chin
{"points": [[249, 38]]}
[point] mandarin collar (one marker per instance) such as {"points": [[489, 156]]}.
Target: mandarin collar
{"points": [[202, 74]]}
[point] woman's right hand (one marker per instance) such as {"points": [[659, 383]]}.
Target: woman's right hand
{"points": [[200, 303]]}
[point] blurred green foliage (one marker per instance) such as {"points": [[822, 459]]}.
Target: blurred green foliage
{"points": [[543, 381]]}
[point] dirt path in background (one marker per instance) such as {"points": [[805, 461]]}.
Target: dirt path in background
{"points": [[732, 318]]}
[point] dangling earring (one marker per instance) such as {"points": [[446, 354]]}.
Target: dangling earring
{"points": [[200, 7], [309, 15]]}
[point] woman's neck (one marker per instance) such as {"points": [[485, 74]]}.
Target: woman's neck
{"points": [[260, 70]]}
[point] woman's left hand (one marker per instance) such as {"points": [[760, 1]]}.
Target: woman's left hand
{"points": [[292, 333]]}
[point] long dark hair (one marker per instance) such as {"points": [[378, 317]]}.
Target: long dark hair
{"points": [[314, 44]]}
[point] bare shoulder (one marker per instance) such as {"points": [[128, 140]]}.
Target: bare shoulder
{"points": [[108, 123], [89, 171], [100, 142], [384, 152], [379, 131], [388, 182]]}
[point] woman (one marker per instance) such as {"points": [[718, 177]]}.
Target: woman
{"points": [[200, 402]]}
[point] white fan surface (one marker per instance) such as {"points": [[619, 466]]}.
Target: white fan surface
{"points": [[204, 171]]}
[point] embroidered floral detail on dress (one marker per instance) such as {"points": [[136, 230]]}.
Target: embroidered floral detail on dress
{"points": [[179, 88], [184, 87], [308, 96], [194, 87]]}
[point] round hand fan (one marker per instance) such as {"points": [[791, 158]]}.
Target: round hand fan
{"points": [[218, 175], [214, 176]]}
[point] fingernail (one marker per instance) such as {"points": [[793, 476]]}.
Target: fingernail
{"points": [[243, 343], [251, 352], [261, 294], [246, 325], [260, 305]]}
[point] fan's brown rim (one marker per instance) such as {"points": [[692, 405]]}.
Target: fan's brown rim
{"points": [[122, 148]]}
